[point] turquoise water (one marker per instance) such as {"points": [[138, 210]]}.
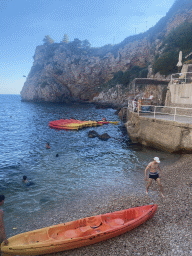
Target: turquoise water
{"points": [[86, 168]]}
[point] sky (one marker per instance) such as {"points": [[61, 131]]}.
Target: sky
{"points": [[25, 23]]}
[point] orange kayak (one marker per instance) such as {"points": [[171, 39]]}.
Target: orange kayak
{"points": [[107, 122], [78, 233], [72, 124]]}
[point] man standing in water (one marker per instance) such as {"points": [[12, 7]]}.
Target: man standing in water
{"points": [[153, 174], [2, 228]]}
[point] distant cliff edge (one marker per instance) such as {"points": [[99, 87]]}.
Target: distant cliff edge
{"points": [[68, 72], [59, 74]]}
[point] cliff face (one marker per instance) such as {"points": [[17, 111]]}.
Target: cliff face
{"points": [[63, 74], [59, 75], [180, 12]]}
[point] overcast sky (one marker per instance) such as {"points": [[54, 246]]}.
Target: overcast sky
{"points": [[24, 24]]}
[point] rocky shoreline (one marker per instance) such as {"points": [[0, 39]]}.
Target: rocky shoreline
{"points": [[168, 233]]}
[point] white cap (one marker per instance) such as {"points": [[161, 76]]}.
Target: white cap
{"points": [[156, 159]]}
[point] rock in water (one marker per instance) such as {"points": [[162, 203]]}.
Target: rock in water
{"points": [[93, 134], [104, 136]]}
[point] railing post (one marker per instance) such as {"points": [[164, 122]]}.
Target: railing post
{"points": [[185, 78], [154, 110], [138, 108], [175, 114]]}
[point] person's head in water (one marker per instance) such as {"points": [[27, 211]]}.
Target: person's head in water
{"points": [[2, 198], [24, 178], [57, 155], [47, 146]]}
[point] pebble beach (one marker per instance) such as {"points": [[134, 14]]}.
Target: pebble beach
{"points": [[168, 233]]}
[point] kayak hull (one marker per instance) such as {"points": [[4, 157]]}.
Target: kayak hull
{"points": [[72, 124], [78, 233]]}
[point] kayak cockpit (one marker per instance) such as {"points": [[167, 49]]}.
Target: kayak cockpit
{"points": [[85, 227]]}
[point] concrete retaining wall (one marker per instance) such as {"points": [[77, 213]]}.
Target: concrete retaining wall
{"points": [[181, 93], [161, 134]]}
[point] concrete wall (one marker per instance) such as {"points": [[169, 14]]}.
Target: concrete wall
{"points": [[181, 93], [161, 134]]}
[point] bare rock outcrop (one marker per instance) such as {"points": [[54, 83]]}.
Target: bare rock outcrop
{"points": [[60, 74]]}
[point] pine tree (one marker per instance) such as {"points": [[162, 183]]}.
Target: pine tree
{"points": [[85, 44], [65, 39], [48, 40]]}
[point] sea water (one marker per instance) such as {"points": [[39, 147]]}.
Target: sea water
{"points": [[86, 168]]}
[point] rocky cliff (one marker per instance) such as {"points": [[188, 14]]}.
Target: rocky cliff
{"points": [[64, 72], [58, 74]]}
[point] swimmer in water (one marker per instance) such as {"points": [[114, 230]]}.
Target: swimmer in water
{"points": [[25, 180]]}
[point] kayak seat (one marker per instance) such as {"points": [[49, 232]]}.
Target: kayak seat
{"points": [[94, 221], [36, 238], [102, 227], [63, 233], [115, 222], [71, 233], [86, 231]]}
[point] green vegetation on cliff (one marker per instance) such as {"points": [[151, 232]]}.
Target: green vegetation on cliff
{"points": [[126, 77], [179, 39], [48, 40], [166, 64], [65, 39]]}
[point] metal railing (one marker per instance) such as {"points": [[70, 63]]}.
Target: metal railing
{"points": [[155, 111], [181, 78]]}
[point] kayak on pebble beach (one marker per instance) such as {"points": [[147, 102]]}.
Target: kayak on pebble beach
{"points": [[78, 233]]}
